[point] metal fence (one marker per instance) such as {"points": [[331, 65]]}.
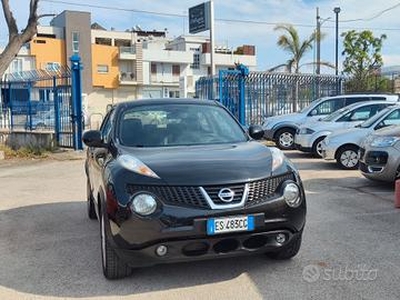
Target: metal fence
{"points": [[252, 96], [43, 100]]}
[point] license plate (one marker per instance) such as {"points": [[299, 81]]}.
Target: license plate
{"points": [[230, 224]]}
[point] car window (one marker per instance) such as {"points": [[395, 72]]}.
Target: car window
{"points": [[176, 125], [375, 118], [359, 114], [327, 107], [106, 127], [392, 119]]}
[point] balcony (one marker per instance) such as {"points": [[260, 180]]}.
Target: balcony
{"points": [[127, 53], [127, 78]]}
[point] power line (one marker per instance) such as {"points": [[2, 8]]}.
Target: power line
{"points": [[377, 15], [255, 22]]}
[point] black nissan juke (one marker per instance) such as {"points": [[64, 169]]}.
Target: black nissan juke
{"points": [[174, 180]]}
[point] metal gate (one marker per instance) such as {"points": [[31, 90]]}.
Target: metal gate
{"points": [[45, 101], [253, 96]]}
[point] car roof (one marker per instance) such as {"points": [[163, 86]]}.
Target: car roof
{"points": [[370, 102], [166, 101]]}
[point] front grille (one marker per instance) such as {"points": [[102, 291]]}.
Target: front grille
{"points": [[265, 189], [181, 195], [191, 196], [213, 191]]}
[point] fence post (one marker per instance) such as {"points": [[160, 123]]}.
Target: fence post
{"points": [[76, 77], [57, 118], [244, 71], [30, 112], [11, 106]]}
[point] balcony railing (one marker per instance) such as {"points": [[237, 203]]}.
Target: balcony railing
{"points": [[127, 50], [127, 76]]}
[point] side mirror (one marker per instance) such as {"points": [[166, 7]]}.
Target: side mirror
{"points": [[314, 112], [256, 132], [92, 138]]}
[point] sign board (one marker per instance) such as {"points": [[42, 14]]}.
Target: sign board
{"points": [[199, 18]]}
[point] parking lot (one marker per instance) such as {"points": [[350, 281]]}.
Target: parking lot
{"points": [[50, 249]]}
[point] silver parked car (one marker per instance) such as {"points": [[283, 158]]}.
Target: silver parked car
{"points": [[380, 155], [343, 145], [309, 136], [281, 129]]}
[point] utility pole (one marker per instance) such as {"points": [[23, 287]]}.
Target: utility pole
{"points": [[318, 37], [336, 10], [212, 42]]}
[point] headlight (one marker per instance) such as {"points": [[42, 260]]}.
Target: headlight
{"points": [[291, 194], [135, 165], [277, 158], [144, 204], [305, 130], [384, 141]]}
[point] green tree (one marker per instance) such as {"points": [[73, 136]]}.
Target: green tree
{"points": [[291, 43], [17, 39], [363, 60]]}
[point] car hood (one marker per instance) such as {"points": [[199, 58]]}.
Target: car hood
{"points": [[388, 131], [292, 118], [350, 135], [328, 126], [207, 164]]}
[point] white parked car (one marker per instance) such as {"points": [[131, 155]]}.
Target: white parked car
{"points": [[343, 146], [309, 136], [281, 129]]}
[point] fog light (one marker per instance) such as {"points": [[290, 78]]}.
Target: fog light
{"points": [[144, 204], [161, 250], [280, 238], [291, 194]]}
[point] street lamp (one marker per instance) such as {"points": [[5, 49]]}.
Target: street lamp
{"points": [[336, 10], [318, 38]]}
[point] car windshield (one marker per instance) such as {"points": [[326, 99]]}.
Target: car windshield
{"points": [[178, 125], [333, 116], [304, 109], [372, 120]]}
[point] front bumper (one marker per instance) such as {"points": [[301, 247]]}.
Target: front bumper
{"points": [[183, 231], [303, 142], [378, 164], [269, 134], [207, 248], [328, 151]]}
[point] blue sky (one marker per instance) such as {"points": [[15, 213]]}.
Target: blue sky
{"points": [[262, 35]]}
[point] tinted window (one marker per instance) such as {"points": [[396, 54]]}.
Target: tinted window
{"points": [[106, 127], [392, 119], [175, 125], [361, 114], [329, 106]]}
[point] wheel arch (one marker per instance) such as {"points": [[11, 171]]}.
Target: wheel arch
{"points": [[344, 146]]}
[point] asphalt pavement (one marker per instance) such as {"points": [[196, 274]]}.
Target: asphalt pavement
{"points": [[49, 249]]}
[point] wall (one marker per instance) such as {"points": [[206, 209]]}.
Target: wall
{"points": [[48, 50], [105, 55]]}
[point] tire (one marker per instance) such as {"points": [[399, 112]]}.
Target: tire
{"points": [[113, 266], [316, 148], [284, 138], [289, 251], [347, 157], [91, 211]]}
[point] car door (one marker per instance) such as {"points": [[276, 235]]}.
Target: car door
{"points": [[98, 156]]}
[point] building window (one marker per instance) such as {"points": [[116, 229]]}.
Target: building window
{"points": [[196, 61], [75, 43], [176, 70], [16, 65], [103, 41], [102, 69], [153, 68], [52, 66]]}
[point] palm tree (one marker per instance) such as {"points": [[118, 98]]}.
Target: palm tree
{"points": [[290, 42]]}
